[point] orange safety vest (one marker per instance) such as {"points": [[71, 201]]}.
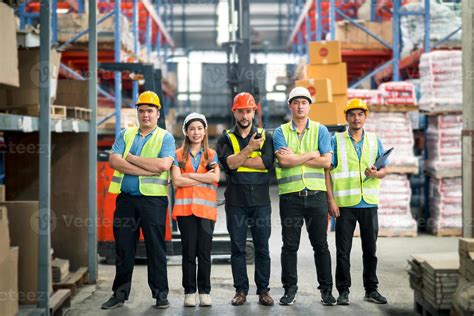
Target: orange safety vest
{"points": [[198, 200]]}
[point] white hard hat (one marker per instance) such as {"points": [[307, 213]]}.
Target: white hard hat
{"points": [[299, 92], [191, 117]]}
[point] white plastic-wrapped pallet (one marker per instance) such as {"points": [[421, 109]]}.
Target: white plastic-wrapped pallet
{"points": [[443, 20], [444, 143], [394, 130], [371, 97], [445, 204], [398, 93], [394, 209], [441, 81]]}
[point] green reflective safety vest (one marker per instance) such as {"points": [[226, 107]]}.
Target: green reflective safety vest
{"points": [[148, 185], [298, 178], [348, 177]]}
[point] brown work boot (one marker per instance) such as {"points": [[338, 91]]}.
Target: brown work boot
{"points": [[239, 299], [265, 299]]}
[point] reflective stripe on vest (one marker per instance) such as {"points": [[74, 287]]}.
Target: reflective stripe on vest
{"points": [[148, 185], [199, 200], [348, 176], [253, 154], [298, 178]]}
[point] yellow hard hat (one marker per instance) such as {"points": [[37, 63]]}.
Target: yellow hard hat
{"points": [[356, 104], [150, 98]]}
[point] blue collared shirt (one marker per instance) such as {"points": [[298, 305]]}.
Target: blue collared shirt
{"points": [[130, 183], [358, 149], [195, 160], [324, 138]]}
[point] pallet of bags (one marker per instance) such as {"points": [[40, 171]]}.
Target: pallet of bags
{"points": [[446, 206], [394, 214], [444, 145], [402, 159], [441, 81]]}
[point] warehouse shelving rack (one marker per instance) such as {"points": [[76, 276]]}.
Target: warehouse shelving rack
{"points": [[146, 21], [304, 16]]}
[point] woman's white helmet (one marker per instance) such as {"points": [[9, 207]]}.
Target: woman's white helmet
{"points": [[191, 117]]}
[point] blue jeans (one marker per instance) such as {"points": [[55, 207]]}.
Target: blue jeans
{"points": [[259, 220]]}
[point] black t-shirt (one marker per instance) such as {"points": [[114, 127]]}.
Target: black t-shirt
{"points": [[255, 193]]}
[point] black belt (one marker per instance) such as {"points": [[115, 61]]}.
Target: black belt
{"points": [[304, 193]]}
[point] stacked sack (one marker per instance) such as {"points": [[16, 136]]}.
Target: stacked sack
{"points": [[444, 144], [445, 205], [394, 130], [394, 207], [441, 81], [389, 93]]}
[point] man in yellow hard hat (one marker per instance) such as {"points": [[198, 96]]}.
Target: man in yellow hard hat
{"points": [[354, 197], [141, 157]]}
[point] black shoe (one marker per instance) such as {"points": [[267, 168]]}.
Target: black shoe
{"points": [[343, 298], [112, 303], [375, 297], [289, 298], [327, 299], [162, 303]]}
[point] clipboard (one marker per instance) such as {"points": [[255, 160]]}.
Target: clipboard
{"points": [[381, 161]]}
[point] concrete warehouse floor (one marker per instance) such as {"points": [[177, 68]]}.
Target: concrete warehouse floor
{"points": [[392, 265]]}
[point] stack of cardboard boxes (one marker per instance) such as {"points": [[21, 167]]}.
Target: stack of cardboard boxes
{"points": [[326, 79], [8, 269]]}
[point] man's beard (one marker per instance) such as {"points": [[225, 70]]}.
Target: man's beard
{"points": [[243, 126]]}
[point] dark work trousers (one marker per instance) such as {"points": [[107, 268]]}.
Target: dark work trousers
{"points": [[345, 225], [149, 213], [313, 210], [196, 242], [259, 220]]}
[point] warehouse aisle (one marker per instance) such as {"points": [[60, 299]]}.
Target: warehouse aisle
{"points": [[392, 253]]}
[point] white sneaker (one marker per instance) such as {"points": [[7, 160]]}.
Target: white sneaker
{"points": [[190, 300], [205, 300]]}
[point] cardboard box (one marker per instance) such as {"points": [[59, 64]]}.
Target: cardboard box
{"points": [[351, 37], [327, 113], [28, 92], [320, 89], [128, 118], [23, 225], [340, 100], [73, 93], [9, 283], [337, 73], [325, 52], [9, 74], [4, 234]]}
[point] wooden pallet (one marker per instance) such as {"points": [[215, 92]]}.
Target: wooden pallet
{"points": [[402, 169], [79, 113], [448, 232], [72, 281], [444, 173], [422, 307], [59, 302], [57, 111], [393, 108]]}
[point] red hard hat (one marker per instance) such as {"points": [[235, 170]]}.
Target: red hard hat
{"points": [[244, 100]]}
